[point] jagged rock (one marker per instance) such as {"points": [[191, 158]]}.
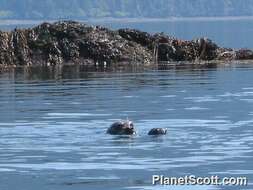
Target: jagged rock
{"points": [[6, 50], [14, 48], [226, 54], [170, 49], [182, 51], [142, 38], [79, 43], [243, 54], [207, 50]]}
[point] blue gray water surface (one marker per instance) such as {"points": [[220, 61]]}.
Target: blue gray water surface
{"points": [[53, 121]]}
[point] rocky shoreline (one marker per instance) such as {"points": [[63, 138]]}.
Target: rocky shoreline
{"points": [[73, 42]]}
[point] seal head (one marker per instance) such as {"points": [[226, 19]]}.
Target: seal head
{"points": [[157, 131], [122, 128]]}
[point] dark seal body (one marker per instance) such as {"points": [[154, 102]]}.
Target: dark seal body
{"points": [[157, 131], [122, 128]]}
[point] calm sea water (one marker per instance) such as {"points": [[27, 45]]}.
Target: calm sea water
{"points": [[53, 123]]}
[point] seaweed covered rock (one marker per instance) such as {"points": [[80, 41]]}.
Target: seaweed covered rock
{"points": [[207, 50], [142, 38], [171, 49], [68, 42], [176, 50], [243, 54], [74, 42]]}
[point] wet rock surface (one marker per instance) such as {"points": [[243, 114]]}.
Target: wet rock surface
{"points": [[73, 42]]}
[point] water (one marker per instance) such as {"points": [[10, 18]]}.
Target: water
{"points": [[53, 123]]}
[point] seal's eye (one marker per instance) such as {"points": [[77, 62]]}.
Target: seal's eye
{"points": [[131, 125]]}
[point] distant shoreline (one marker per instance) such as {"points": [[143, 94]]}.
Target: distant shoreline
{"points": [[5, 22]]}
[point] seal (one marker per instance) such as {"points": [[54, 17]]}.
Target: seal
{"points": [[157, 131], [122, 128]]}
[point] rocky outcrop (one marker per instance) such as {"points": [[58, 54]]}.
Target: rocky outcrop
{"points": [[73, 42]]}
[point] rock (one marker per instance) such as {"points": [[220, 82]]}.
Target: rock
{"points": [[178, 50], [244, 54], [121, 128], [73, 42], [226, 54], [6, 49], [142, 38], [157, 131], [207, 50]]}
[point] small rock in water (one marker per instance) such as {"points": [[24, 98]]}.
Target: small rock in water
{"points": [[157, 131], [122, 128]]}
